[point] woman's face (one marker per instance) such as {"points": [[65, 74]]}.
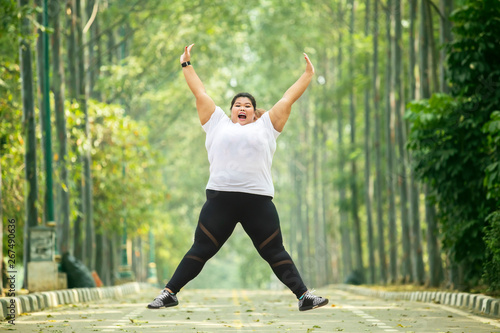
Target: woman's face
{"points": [[242, 111]]}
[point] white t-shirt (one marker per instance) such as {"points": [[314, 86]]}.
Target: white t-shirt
{"points": [[240, 156]]}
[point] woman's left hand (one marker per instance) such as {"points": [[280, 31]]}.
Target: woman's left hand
{"points": [[309, 67]]}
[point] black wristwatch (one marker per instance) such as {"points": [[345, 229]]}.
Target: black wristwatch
{"points": [[186, 63]]}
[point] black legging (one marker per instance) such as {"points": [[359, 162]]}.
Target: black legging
{"points": [[218, 218]]}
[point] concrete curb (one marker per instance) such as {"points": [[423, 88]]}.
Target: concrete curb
{"points": [[474, 302], [49, 299]]}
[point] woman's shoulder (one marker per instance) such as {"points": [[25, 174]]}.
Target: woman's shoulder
{"points": [[217, 117]]}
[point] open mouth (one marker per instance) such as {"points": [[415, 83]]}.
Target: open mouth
{"points": [[242, 115]]}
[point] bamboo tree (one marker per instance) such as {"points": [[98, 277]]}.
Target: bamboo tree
{"points": [[89, 257], [396, 101], [310, 268], [98, 57], [58, 90], [71, 70], [316, 204], [435, 264], [40, 80], [344, 217], [73, 34], [446, 7], [29, 127], [393, 246], [378, 154], [416, 243], [90, 28], [325, 255], [371, 246], [433, 52], [358, 251]]}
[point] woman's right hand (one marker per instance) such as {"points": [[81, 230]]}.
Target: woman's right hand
{"points": [[186, 56]]}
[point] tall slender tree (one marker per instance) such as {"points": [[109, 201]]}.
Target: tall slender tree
{"points": [[416, 243], [29, 127], [73, 35], [40, 79], [344, 217], [368, 204], [393, 241], [89, 258], [58, 90], [445, 36], [396, 106], [358, 250], [378, 154], [435, 264]]}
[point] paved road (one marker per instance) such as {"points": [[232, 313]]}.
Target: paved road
{"points": [[253, 311]]}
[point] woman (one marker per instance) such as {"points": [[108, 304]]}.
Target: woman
{"points": [[240, 188]]}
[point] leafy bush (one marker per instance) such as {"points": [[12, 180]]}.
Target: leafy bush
{"points": [[492, 262], [454, 142]]}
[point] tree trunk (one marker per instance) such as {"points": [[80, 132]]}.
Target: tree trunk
{"points": [[397, 96], [89, 7], [29, 128], [435, 264], [393, 246], [433, 53], [310, 267], [58, 90], [378, 153], [72, 40], [100, 258], [344, 217], [445, 36], [41, 83], [98, 58], [86, 159], [316, 207], [416, 243], [326, 204], [358, 251], [299, 214], [72, 82], [371, 247]]}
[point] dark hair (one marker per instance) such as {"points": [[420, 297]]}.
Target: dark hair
{"points": [[247, 95]]}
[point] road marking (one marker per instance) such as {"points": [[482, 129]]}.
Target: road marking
{"points": [[375, 322], [126, 318], [489, 321], [237, 322]]}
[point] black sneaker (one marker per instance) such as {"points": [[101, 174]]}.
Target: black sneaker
{"points": [[165, 299], [308, 301]]}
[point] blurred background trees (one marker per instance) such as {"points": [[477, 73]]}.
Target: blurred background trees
{"points": [[387, 171]]}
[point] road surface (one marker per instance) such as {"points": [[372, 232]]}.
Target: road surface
{"points": [[253, 311]]}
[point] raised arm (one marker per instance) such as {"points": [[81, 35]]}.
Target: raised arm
{"points": [[204, 104], [280, 112]]}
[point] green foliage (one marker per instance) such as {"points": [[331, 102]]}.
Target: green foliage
{"points": [[448, 155], [11, 151], [492, 262], [451, 151], [492, 179], [123, 166]]}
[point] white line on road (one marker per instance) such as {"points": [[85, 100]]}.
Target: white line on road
{"points": [[373, 320], [491, 321], [126, 318]]}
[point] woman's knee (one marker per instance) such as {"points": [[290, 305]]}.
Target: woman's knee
{"points": [[202, 251]]}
